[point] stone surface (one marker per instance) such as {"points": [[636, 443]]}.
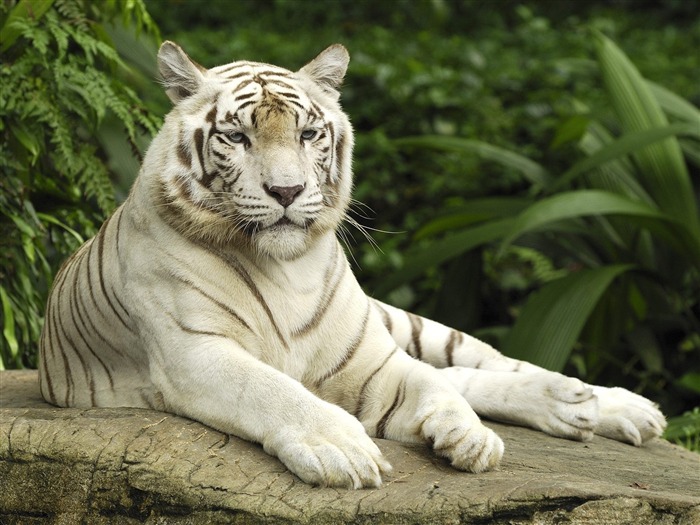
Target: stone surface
{"points": [[127, 466]]}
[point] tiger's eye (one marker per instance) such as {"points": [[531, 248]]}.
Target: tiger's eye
{"points": [[238, 138], [308, 134]]}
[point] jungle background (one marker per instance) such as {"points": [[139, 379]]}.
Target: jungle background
{"points": [[528, 171]]}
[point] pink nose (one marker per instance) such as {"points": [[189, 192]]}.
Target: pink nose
{"points": [[285, 195]]}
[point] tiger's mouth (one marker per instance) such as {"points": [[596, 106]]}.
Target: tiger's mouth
{"points": [[284, 223]]}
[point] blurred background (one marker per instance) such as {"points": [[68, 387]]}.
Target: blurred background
{"points": [[526, 171]]}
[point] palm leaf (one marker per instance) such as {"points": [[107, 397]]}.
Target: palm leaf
{"points": [[532, 171], [630, 143], [473, 211], [584, 203], [419, 260], [662, 168], [554, 316]]}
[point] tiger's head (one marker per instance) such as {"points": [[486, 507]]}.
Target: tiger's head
{"points": [[253, 155]]}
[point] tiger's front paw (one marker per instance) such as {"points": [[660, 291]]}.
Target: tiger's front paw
{"points": [[457, 434], [563, 406], [330, 448], [628, 417]]}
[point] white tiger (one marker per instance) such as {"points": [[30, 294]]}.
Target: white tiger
{"points": [[218, 291]]}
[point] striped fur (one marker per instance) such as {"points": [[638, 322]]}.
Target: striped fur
{"points": [[219, 291]]}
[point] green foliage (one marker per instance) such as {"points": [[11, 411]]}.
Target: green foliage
{"points": [[684, 430], [59, 86], [622, 221]]}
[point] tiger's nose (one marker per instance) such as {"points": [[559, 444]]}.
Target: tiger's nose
{"points": [[285, 195]]}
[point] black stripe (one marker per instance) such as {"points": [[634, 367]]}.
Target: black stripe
{"points": [[416, 328], [245, 96], [45, 346], [243, 274], [450, 346], [183, 154], [331, 132], [89, 378], [398, 401], [238, 75], [74, 309], [386, 318], [70, 385], [270, 73], [117, 235], [361, 398], [349, 353], [221, 305], [246, 104], [242, 85], [337, 160], [327, 295], [194, 331], [287, 94], [199, 146], [100, 237]]}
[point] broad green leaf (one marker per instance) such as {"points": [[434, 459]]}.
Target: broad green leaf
{"points": [[662, 169], [419, 260], [585, 203], [473, 211], [554, 316], [617, 175], [674, 105], [532, 171], [629, 143]]}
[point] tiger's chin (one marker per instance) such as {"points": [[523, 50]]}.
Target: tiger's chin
{"points": [[285, 241]]}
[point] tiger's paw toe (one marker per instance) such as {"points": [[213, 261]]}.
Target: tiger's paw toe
{"points": [[459, 436], [335, 452], [627, 417]]}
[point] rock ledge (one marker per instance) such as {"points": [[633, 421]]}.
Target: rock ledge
{"points": [[128, 466]]}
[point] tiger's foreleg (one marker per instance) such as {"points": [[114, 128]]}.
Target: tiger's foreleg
{"points": [[506, 389], [213, 380], [399, 398]]}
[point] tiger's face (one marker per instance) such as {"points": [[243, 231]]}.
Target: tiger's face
{"points": [[261, 154]]}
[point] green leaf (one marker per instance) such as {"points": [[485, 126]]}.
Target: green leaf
{"points": [[674, 105], [473, 211], [554, 316], [583, 203], [662, 169], [628, 143], [419, 260], [24, 9], [532, 171], [8, 330], [53, 220], [691, 381], [685, 426]]}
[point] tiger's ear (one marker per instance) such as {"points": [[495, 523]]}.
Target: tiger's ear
{"points": [[181, 75], [328, 68]]}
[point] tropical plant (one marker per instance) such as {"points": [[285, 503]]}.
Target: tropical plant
{"points": [[60, 86], [621, 226]]}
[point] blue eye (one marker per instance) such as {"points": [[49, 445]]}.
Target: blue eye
{"points": [[238, 138], [309, 134]]}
